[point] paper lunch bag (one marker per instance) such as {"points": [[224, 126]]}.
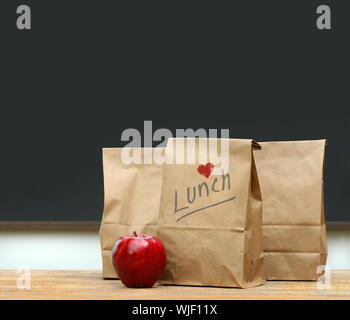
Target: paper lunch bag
{"points": [[212, 227], [291, 181], [131, 199]]}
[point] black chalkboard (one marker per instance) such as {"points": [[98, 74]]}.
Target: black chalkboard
{"points": [[87, 70]]}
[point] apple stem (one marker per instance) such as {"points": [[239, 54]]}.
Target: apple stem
{"points": [[134, 232]]}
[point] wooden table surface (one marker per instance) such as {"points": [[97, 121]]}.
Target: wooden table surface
{"points": [[86, 284]]}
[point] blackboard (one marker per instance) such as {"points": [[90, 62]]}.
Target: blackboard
{"points": [[87, 70]]}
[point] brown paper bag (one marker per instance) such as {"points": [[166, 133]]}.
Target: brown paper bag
{"points": [[291, 181], [132, 197], [212, 227]]}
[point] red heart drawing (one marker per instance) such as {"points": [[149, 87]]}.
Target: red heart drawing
{"points": [[205, 170]]}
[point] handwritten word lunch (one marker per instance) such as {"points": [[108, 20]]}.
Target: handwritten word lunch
{"points": [[203, 190]]}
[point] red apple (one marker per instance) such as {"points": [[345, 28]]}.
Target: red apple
{"points": [[139, 260]]}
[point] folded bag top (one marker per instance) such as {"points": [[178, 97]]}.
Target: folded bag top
{"points": [[210, 213]]}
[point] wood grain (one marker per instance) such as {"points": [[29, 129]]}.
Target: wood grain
{"points": [[84, 284]]}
